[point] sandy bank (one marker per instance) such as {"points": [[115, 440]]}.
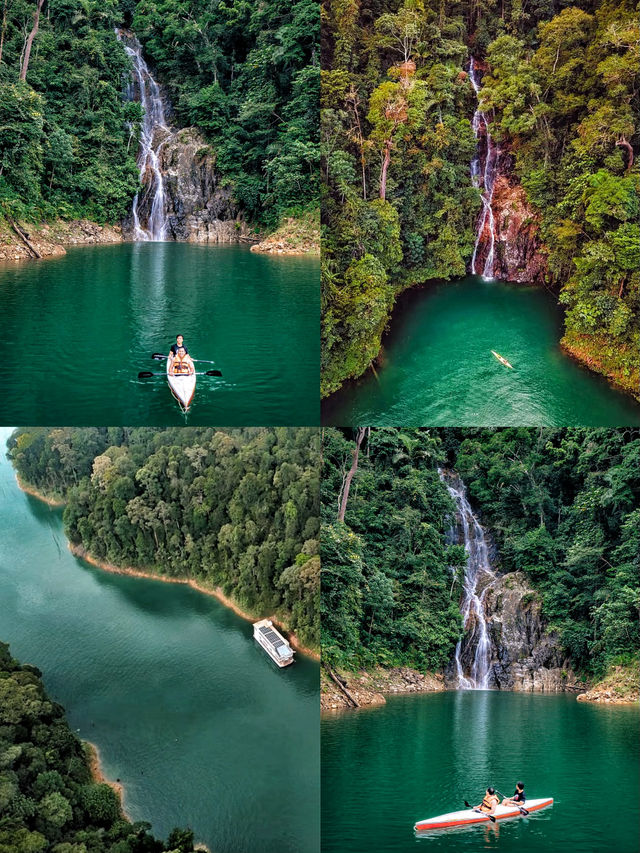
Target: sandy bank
{"points": [[30, 490], [97, 774], [50, 238], [369, 687]]}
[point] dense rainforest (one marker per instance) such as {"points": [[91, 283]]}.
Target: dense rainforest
{"points": [[562, 506], [559, 86], [48, 799], [247, 76], [236, 509]]}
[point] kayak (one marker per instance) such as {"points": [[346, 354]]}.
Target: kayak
{"points": [[182, 387], [501, 359], [469, 816]]}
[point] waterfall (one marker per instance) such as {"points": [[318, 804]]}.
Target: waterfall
{"points": [[481, 126], [154, 133], [478, 576]]}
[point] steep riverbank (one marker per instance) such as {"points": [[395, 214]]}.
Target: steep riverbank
{"points": [[296, 235], [216, 592], [619, 687], [601, 355]]}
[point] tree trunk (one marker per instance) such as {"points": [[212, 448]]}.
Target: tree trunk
{"points": [[354, 467], [625, 144], [32, 35], [4, 27], [385, 166]]}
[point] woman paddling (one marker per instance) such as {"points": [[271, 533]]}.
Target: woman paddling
{"points": [[489, 803]]}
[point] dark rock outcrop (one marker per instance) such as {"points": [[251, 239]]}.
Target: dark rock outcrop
{"points": [[526, 656], [198, 208], [519, 254]]}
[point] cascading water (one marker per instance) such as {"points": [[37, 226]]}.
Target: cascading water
{"points": [[154, 133], [486, 221], [478, 575]]}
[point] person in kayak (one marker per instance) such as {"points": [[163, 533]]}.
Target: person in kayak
{"points": [[182, 363], [489, 803], [175, 347], [518, 799]]}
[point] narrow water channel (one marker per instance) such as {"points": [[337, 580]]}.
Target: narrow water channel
{"points": [[438, 368], [421, 756], [187, 711]]}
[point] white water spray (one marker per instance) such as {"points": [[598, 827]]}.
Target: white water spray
{"points": [[488, 178], [154, 133], [478, 573]]}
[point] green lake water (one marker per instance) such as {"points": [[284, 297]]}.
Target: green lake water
{"points": [[417, 757], [84, 325], [439, 371], [202, 729]]}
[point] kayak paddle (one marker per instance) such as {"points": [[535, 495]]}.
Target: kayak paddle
{"points": [[523, 811], [490, 816], [158, 356], [146, 374]]}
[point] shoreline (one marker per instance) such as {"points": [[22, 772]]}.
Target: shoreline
{"points": [[31, 490], [94, 761], [215, 592]]}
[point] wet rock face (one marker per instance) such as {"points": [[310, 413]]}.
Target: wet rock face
{"points": [[198, 209], [526, 657], [518, 248]]}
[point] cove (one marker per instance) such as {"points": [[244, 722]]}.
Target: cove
{"points": [[438, 368], [187, 711], [84, 325], [421, 756]]}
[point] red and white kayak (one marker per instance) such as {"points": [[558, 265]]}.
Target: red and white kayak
{"points": [[469, 816], [182, 386]]}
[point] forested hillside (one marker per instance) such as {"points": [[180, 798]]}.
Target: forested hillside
{"points": [[563, 507], [48, 800], [559, 88], [231, 508], [247, 76]]}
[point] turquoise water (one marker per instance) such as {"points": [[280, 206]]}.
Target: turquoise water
{"points": [[417, 757], [84, 325], [439, 371], [188, 712]]}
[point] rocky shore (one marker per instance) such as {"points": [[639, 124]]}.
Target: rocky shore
{"points": [[369, 688], [49, 239], [295, 236], [620, 687]]}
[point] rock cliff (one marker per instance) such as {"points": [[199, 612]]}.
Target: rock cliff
{"points": [[525, 656], [519, 254], [198, 208]]}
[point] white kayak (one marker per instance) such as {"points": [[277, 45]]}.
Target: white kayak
{"points": [[182, 387], [502, 359], [469, 816]]}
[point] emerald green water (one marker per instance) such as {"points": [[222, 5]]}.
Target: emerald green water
{"points": [[84, 325], [439, 371], [421, 756], [187, 711]]}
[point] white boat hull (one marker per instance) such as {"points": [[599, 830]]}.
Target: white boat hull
{"points": [[182, 387], [469, 816]]}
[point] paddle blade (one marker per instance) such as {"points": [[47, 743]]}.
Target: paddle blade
{"points": [[491, 818], [213, 373], [467, 805], [144, 374], [158, 356]]}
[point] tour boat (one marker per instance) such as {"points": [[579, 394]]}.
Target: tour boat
{"points": [[273, 642], [182, 386], [469, 816], [501, 359]]}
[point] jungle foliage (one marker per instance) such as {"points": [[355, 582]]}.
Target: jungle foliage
{"points": [[387, 592], [238, 509], [247, 75], [48, 798], [398, 204], [562, 505], [65, 146]]}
